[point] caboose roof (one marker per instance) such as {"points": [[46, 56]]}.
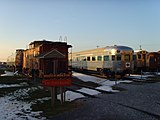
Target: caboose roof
{"points": [[52, 54]]}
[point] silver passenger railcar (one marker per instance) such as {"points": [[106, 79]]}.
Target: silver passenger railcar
{"points": [[107, 60]]}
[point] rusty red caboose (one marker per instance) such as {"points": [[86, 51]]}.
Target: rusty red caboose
{"points": [[47, 57], [153, 61]]}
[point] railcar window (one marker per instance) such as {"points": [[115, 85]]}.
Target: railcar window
{"points": [[106, 58], [134, 57], [127, 57], [139, 56], [77, 59], [88, 58], [93, 58], [99, 58], [113, 57], [118, 57], [152, 59], [83, 58]]}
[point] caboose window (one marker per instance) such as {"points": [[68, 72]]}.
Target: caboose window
{"points": [[118, 57], [106, 58], [99, 58], [113, 57], [127, 57]]}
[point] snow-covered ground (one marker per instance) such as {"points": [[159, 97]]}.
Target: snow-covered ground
{"points": [[12, 109], [7, 73], [20, 110]]}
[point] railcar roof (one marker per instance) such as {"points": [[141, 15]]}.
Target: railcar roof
{"points": [[105, 49], [119, 47], [139, 50]]}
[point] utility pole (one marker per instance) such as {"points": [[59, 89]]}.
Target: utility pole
{"points": [[140, 47]]}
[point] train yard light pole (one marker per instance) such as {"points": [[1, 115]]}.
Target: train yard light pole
{"points": [[115, 75], [141, 74]]}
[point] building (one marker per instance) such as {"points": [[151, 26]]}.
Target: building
{"points": [[153, 61]]}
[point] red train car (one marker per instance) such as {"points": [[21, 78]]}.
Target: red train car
{"points": [[47, 57], [139, 58], [153, 61]]}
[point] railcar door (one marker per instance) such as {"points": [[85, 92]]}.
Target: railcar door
{"points": [[107, 63], [117, 63], [127, 62]]}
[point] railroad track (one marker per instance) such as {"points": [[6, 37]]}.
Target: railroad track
{"points": [[147, 80]]}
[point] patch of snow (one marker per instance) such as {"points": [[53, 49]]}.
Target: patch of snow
{"points": [[41, 100], [16, 73], [12, 109], [21, 93], [100, 81], [125, 81], [7, 86], [13, 85], [107, 88], [89, 91], [106, 84], [151, 73], [87, 78], [7, 73], [136, 76], [70, 96]]}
